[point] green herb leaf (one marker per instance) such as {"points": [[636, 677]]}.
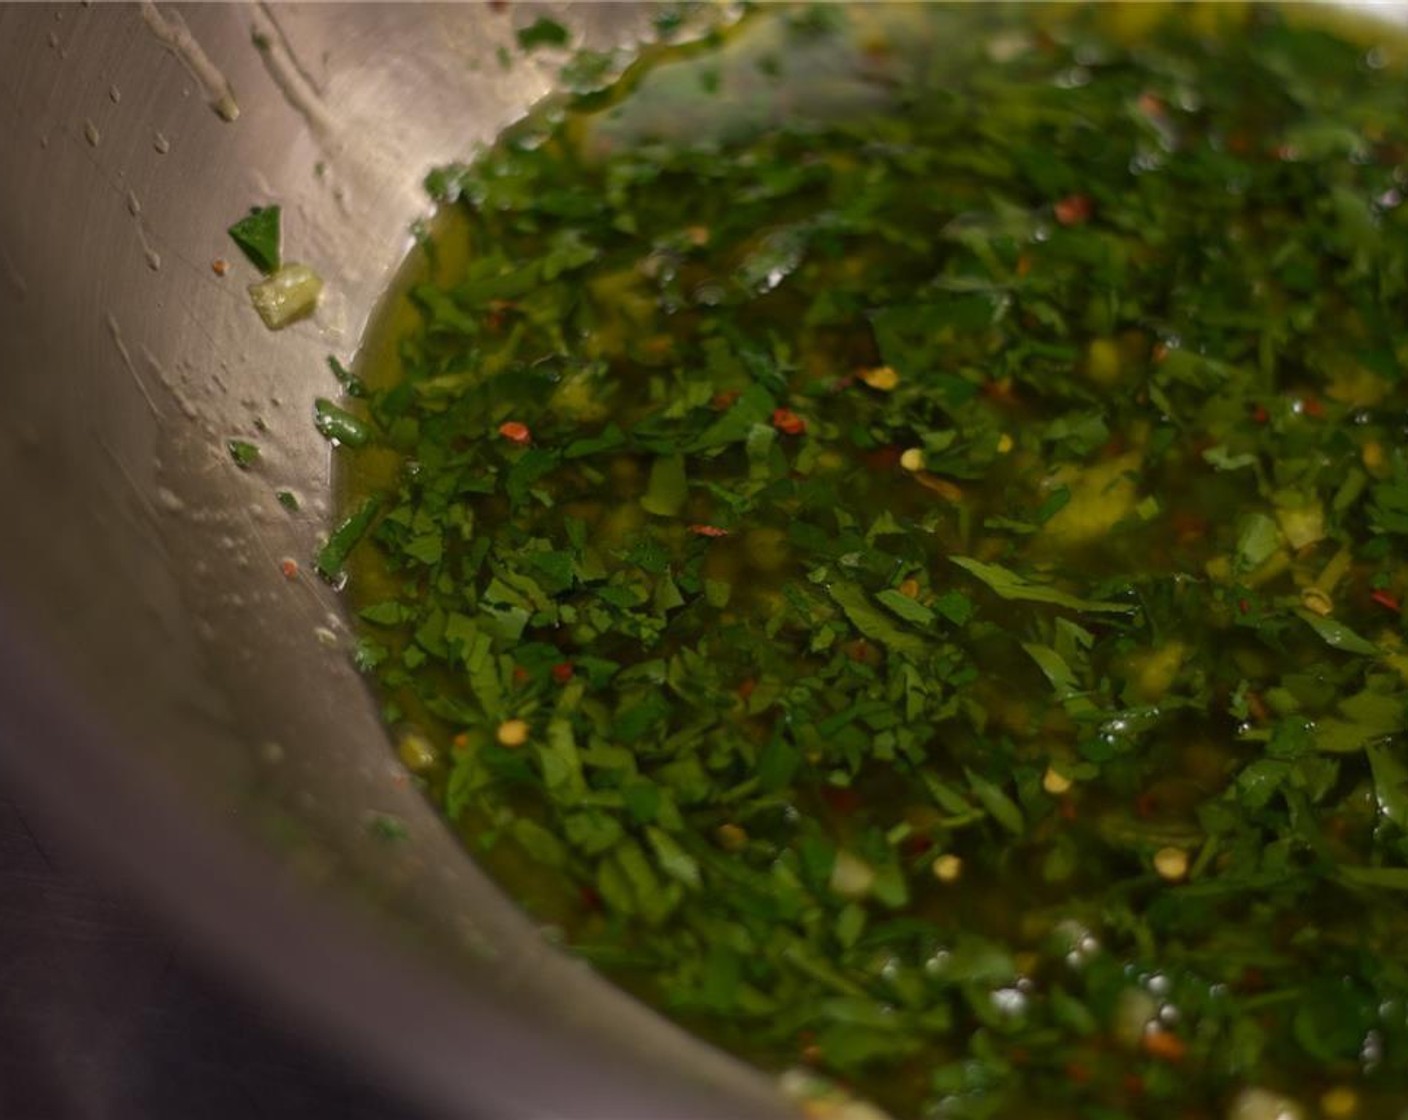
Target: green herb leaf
{"points": [[333, 555], [338, 425], [257, 235], [673, 859], [1009, 585], [1336, 634], [872, 622], [999, 806], [543, 32], [911, 610], [244, 453], [1258, 539], [754, 405], [1390, 782], [668, 487]]}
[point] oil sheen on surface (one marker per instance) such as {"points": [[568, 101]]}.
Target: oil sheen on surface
{"points": [[885, 533]]}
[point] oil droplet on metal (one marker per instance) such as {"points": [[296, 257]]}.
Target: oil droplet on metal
{"points": [[171, 31], [114, 94], [91, 134], [54, 40], [134, 204], [160, 143], [153, 260]]}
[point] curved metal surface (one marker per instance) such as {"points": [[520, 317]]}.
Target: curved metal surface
{"points": [[164, 689]]}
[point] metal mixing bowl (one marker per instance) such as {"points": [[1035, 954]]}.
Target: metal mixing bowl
{"points": [[165, 692]]}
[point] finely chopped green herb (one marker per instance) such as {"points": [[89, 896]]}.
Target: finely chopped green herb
{"points": [[909, 581], [257, 234]]}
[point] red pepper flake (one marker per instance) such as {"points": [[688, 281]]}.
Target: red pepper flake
{"points": [[1313, 407], [1257, 707], [1388, 601], [725, 398], [999, 389], [1243, 606], [1164, 1045], [1260, 414], [1160, 352], [1077, 1073], [1187, 525], [788, 422], [289, 567], [460, 742], [841, 799], [1144, 806], [563, 671], [498, 312], [589, 898], [745, 688], [1074, 209], [521, 676], [883, 458], [862, 651], [1151, 104], [219, 266], [708, 531], [916, 845], [516, 432], [1024, 264], [1115, 446], [1067, 808]]}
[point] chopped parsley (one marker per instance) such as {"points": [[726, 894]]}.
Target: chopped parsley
{"points": [[542, 32], [244, 453], [257, 235], [905, 570]]}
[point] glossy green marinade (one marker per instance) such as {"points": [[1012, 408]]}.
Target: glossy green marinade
{"points": [[931, 484]]}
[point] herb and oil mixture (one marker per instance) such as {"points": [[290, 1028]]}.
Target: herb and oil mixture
{"points": [[910, 580]]}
